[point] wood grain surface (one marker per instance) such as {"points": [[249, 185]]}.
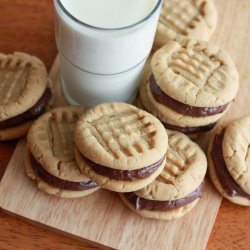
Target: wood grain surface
{"points": [[28, 26]]}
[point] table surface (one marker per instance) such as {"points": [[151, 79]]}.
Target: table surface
{"points": [[28, 26]]}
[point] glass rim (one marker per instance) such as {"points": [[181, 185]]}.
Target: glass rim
{"points": [[108, 29]]}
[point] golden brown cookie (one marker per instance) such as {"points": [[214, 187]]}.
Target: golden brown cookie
{"points": [[50, 159], [190, 84], [168, 115], [186, 18], [179, 186], [120, 147], [24, 93], [229, 161]]}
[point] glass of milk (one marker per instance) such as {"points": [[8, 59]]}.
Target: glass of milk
{"points": [[103, 46]]}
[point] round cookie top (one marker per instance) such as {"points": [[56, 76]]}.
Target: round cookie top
{"points": [[195, 73], [236, 151], [184, 171], [23, 81], [51, 142], [121, 136], [186, 18]]}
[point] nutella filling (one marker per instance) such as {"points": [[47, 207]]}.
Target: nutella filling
{"points": [[179, 107], [59, 183], [124, 175], [222, 173], [186, 130], [189, 130], [30, 114], [140, 203]]}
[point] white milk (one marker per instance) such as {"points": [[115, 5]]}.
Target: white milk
{"points": [[109, 14], [103, 45]]}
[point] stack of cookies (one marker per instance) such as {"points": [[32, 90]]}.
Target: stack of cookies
{"points": [[120, 148], [24, 93], [72, 153], [159, 173], [179, 186], [125, 149], [189, 85]]}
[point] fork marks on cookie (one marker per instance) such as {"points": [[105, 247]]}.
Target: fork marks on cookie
{"points": [[61, 127], [196, 66], [180, 15], [177, 159], [13, 78], [123, 134]]}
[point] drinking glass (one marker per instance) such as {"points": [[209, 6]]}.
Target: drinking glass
{"points": [[102, 64]]}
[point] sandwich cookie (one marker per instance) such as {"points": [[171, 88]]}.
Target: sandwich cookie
{"points": [[49, 158], [229, 161], [185, 19], [178, 188], [189, 85], [24, 93], [120, 147]]}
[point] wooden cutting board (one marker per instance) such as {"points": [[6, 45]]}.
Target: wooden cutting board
{"points": [[101, 219]]}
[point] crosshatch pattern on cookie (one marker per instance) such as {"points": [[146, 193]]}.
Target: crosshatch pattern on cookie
{"points": [[13, 77], [61, 127], [181, 15], [183, 171], [177, 159], [123, 134], [195, 73], [51, 142], [196, 65]]}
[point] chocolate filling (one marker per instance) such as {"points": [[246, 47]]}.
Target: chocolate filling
{"points": [[30, 114], [59, 183], [140, 203], [186, 130], [124, 175], [222, 173], [189, 130], [179, 107]]}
